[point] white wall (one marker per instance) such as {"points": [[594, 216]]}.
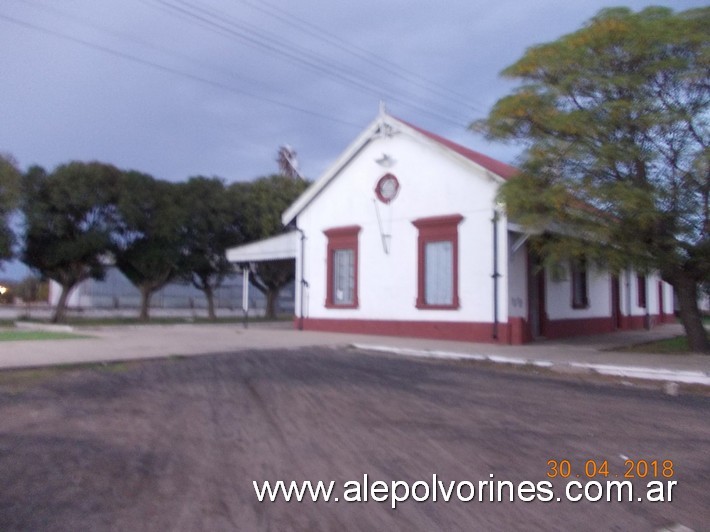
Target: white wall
{"points": [[518, 278], [629, 297], [433, 182], [559, 294]]}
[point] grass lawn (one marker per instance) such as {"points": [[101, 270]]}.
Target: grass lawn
{"points": [[12, 335], [669, 346]]}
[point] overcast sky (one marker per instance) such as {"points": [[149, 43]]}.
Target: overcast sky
{"points": [[177, 88]]}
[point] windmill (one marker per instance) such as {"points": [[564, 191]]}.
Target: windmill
{"points": [[288, 162]]}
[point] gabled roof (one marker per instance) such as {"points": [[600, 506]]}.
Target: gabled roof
{"points": [[387, 124], [499, 168]]}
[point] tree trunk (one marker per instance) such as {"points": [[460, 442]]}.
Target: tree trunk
{"points": [[146, 294], [272, 297], [60, 309], [209, 294], [687, 290]]}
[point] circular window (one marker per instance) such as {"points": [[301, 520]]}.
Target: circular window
{"points": [[387, 188]]}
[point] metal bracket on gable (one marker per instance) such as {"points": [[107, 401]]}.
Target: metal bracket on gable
{"points": [[384, 128]]}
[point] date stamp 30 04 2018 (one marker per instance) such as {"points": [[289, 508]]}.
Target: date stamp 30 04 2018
{"points": [[600, 468]]}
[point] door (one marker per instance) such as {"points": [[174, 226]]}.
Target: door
{"points": [[536, 296], [615, 302]]}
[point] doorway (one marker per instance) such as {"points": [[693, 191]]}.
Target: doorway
{"points": [[615, 302], [536, 296]]}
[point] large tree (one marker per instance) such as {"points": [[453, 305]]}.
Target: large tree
{"points": [[9, 198], [147, 240], [615, 121], [259, 206], [211, 227], [70, 217]]}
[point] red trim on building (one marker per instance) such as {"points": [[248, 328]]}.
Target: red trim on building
{"points": [[502, 169], [589, 326], [615, 301], [515, 332], [578, 327], [380, 183], [341, 238], [579, 283], [641, 290], [668, 318], [519, 331], [632, 322], [440, 330], [437, 229]]}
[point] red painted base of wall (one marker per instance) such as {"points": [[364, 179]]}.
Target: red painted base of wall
{"points": [[439, 330], [640, 322], [515, 332], [589, 326], [669, 318], [632, 322], [578, 327]]}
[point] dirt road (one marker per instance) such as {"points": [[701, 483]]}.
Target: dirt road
{"points": [[175, 444]]}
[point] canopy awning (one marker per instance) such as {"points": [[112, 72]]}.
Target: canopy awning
{"points": [[277, 247]]}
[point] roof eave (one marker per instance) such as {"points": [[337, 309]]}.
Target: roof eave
{"points": [[450, 152]]}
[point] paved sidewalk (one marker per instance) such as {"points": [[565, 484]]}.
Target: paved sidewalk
{"points": [[112, 343]]}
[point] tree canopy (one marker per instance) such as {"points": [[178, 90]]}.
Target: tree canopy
{"points": [[212, 226], [615, 121], [147, 237], [9, 201], [260, 204], [70, 216]]}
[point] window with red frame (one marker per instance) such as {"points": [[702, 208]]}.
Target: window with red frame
{"points": [[580, 286], [641, 290], [342, 265], [437, 260]]}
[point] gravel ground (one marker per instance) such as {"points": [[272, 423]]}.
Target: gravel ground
{"points": [[175, 444]]}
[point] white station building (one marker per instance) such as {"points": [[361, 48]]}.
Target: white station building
{"points": [[402, 236]]}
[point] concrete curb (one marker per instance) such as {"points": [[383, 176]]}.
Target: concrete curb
{"points": [[635, 372]]}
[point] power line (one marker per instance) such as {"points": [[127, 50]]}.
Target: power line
{"points": [[324, 35], [257, 38], [217, 23], [125, 36], [170, 70]]}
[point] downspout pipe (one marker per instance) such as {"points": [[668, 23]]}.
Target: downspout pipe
{"points": [[304, 283], [647, 314], [496, 274]]}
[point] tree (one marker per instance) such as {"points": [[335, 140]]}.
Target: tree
{"points": [[9, 200], [69, 216], [259, 205], [147, 240], [211, 227], [615, 121]]}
